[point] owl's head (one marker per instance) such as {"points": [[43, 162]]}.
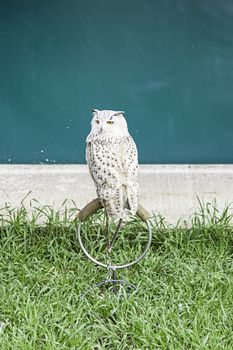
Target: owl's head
{"points": [[108, 122]]}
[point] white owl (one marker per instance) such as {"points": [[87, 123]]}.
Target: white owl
{"points": [[112, 158]]}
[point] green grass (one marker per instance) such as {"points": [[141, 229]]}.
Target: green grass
{"points": [[185, 284]]}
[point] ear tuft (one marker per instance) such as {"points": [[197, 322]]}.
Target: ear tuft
{"points": [[119, 113], [94, 110]]}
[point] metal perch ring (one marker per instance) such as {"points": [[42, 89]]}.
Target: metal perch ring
{"points": [[115, 267], [90, 209]]}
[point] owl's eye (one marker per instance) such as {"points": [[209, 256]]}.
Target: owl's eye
{"points": [[110, 122], [97, 121]]}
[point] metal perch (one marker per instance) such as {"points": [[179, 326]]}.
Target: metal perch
{"points": [[90, 209]]}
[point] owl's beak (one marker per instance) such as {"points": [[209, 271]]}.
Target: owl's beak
{"points": [[101, 129]]}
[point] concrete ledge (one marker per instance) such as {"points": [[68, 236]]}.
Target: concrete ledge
{"points": [[169, 190]]}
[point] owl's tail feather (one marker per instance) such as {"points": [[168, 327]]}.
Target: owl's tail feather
{"points": [[123, 203], [125, 212]]}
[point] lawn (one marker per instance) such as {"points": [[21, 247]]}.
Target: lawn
{"points": [[185, 284]]}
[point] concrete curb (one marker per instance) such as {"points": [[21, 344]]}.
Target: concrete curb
{"points": [[169, 190]]}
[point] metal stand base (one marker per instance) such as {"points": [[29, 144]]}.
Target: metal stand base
{"points": [[116, 283]]}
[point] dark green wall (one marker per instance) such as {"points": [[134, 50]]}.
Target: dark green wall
{"points": [[167, 63]]}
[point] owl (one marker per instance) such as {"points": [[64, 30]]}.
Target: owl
{"points": [[112, 158]]}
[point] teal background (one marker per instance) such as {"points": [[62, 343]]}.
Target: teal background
{"points": [[167, 63]]}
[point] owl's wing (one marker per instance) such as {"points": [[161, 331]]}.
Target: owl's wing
{"points": [[130, 159], [130, 167], [90, 158]]}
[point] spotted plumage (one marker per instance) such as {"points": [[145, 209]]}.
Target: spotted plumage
{"points": [[113, 163]]}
